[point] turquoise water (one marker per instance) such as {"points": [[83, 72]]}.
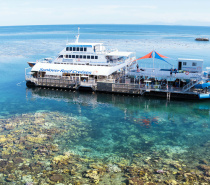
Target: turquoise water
{"points": [[109, 129]]}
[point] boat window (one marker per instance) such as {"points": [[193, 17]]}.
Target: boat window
{"points": [[184, 63], [74, 49], [194, 64], [96, 57], [92, 57], [88, 56], [67, 48], [80, 56], [77, 56], [84, 56], [67, 56], [77, 49], [70, 49], [73, 56], [61, 56], [85, 49], [81, 49]]}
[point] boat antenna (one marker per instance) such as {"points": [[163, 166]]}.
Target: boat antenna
{"points": [[77, 37]]}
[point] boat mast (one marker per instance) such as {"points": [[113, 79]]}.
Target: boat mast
{"points": [[77, 37]]}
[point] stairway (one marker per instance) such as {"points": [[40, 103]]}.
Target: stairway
{"points": [[192, 84]]}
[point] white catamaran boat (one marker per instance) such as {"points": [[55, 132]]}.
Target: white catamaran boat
{"points": [[81, 65]]}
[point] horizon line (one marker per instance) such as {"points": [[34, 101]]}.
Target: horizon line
{"points": [[107, 24]]}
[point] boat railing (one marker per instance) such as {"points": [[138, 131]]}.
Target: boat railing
{"points": [[128, 87], [56, 82], [88, 83], [31, 79], [46, 60], [106, 80], [71, 62], [158, 73], [143, 87]]}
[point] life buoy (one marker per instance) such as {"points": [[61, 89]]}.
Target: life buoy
{"points": [[198, 68], [187, 72]]}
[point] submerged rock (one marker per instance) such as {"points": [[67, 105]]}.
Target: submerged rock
{"points": [[172, 182], [161, 171], [135, 181], [92, 175], [17, 160], [3, 162], [11, 178], [9, 127], [29, 183], [56, 178], [204, 167], [27, 178], [113, 168]]}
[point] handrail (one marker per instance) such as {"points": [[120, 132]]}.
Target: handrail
{"points": [[192, 84]]}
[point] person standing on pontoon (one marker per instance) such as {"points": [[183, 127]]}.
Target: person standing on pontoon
{"points": [[175, 70], [171, 71], [137, 66]]}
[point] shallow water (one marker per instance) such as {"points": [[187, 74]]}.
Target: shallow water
{"points": [[117, 138]]}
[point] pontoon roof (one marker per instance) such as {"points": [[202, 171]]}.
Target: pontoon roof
{"points": [[189, 59], [117, 53]]}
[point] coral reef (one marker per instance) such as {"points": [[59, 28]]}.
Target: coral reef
{"points": [[54, 148]]}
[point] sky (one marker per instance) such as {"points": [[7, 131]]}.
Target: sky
{"points": [[155, 12]]}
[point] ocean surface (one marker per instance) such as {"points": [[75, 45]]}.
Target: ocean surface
{"points": [[62, 137]]}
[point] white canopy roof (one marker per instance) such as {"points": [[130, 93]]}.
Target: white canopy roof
{"points": [[117, 53], [59, 69], [84, 43], [188, 59]]}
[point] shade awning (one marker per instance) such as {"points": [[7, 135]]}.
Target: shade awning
{"points": [[154, 54]]}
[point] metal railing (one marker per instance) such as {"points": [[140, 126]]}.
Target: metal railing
{"points": [[132, 88], [88, 83], [53, 82], [141, 88], [190, 85], [193, 83]]}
